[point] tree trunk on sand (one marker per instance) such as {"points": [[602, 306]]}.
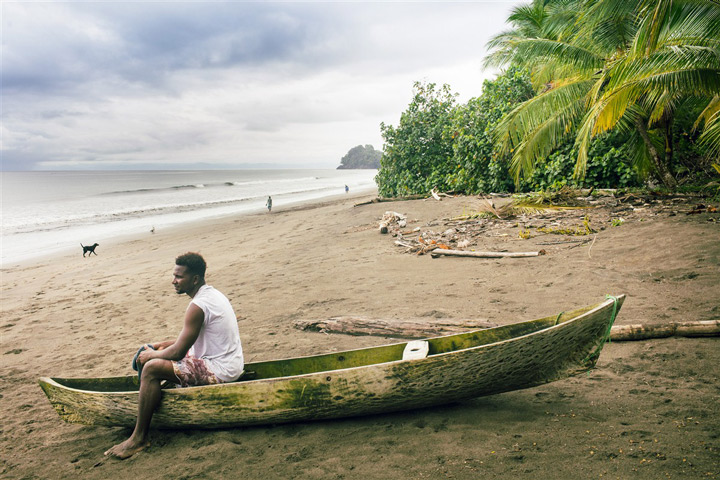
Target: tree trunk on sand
{"points": [[669, 151], [411, 329], [709, 328]]}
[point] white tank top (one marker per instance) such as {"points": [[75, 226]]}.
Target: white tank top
{"points": [[219, 339]]}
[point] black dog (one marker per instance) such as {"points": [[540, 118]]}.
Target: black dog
{"points": [[89, 248]]}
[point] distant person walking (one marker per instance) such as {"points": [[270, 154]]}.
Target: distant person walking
{"points": [[347, 189], [269, 204]]}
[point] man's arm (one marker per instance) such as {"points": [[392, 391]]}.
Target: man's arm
{"points": [[162, 345], [176, 350]]}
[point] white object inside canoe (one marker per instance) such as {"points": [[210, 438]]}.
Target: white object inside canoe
{"points": [[416, 349]]}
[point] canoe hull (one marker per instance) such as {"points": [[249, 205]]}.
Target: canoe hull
{"points": [[551, 353]]}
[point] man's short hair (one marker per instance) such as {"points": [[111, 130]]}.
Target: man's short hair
{"points": [[193, 262]]}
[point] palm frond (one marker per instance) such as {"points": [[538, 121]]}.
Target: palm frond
{"points": [[657, 82], [672, 59], [561, 101], [654, 19], [533, 129], [537, 144], [712, 108], [539, 50], [663, 106], [529, 18], [692, 23], [608, 24], [561, 23], [710, 137]]}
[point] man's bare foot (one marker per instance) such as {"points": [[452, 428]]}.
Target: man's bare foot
{"points": [[127, 449]]}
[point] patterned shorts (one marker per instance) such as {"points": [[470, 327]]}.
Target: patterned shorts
{"points": [[193, 371]]}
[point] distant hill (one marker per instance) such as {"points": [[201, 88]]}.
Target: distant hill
{"points": [[361, 157]]}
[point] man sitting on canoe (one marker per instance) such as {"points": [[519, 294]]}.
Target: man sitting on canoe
{"points": [[207, 351]]}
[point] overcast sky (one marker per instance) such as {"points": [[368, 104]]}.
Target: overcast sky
{"points": [[185, 84]]}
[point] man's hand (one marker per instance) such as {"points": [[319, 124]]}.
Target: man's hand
{"points": [[145, 356]]}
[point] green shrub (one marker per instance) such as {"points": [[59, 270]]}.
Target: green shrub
{"points": [[607, 167], [438, 144]]}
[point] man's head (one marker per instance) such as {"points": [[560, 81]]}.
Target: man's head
{"points": [[189, 273]]}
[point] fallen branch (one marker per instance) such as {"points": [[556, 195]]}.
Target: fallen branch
{"points": [[459, 253], [419, 328], [580, 243], [563, 242], [405, 244]]}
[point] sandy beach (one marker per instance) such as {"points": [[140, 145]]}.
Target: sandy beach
{"points": [[650, 410]]}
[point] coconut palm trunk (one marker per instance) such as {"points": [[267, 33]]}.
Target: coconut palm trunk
{"points": [[660, 164]]}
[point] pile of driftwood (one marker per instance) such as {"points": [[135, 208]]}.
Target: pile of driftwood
{"points": [[569, 213], [453, 241]]}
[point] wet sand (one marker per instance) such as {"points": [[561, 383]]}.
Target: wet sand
{"points": [[651, 409]]}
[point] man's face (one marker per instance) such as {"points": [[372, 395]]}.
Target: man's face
{"points": [[182, 280]]}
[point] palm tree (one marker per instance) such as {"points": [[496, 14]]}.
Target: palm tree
{"points": [[564, 65], [614, 64], [674, 57], [549, 20]]}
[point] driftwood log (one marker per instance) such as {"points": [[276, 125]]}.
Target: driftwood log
{"points": [[411, 329], [460, 253], [709, 328], [393, 199], [421, 328]]}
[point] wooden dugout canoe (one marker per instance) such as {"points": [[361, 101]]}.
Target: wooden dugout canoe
{"points": [[358, 382]]}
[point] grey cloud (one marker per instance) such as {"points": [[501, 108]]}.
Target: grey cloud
{"points": [[143, 42]]}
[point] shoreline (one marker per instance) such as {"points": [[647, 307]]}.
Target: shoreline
{"points": [[51, 212], [647, 411], [178, 227]]}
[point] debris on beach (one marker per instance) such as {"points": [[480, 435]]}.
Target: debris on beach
{"points": [[495, 220], [391, 199], [392, 218], [576, 230], [437, 195], [457, 253], [420, 196]]}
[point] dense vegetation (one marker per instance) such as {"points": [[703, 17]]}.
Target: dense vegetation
{"points": [[602, 93], [361, 157]]}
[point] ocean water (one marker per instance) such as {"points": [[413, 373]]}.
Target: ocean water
{"points": [[47, 212]]}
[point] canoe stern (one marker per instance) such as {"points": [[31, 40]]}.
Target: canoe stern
{"points": [[91, 407]]}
